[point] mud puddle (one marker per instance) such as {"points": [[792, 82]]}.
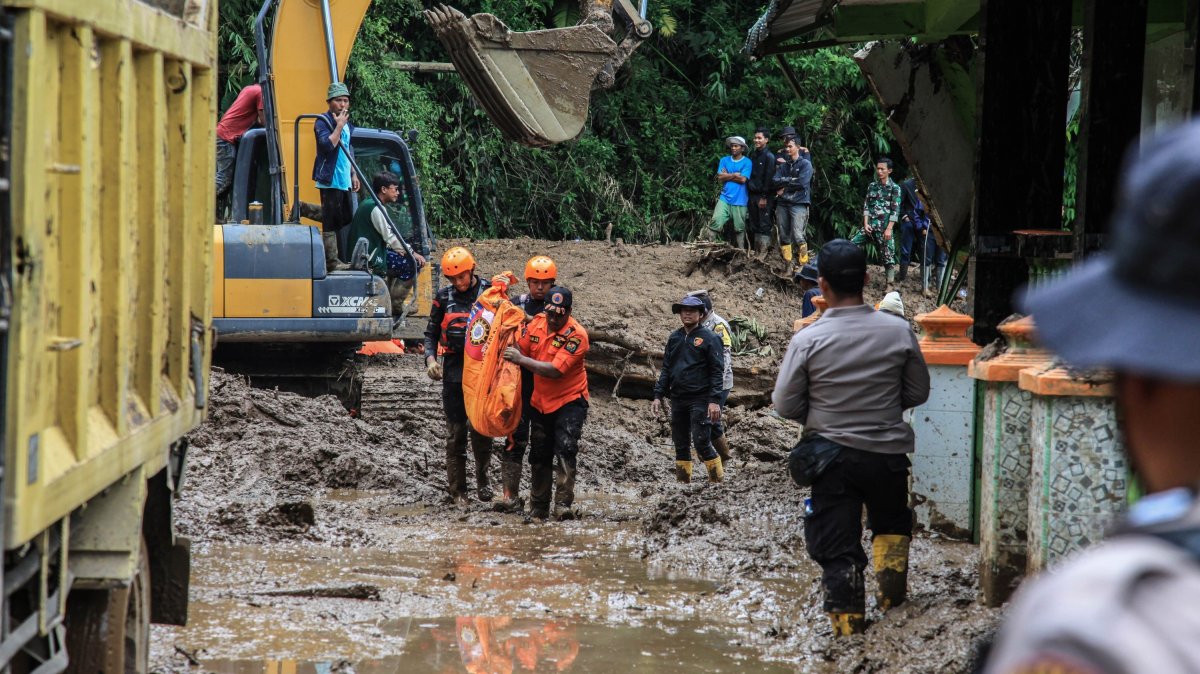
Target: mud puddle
{"points": [[487, 594]]}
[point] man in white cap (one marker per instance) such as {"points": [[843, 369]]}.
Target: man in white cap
{"points": [[1131, 604], [892, 304], [733, 172]]}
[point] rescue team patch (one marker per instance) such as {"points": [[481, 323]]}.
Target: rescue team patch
{"points": [[556, 298], [573, 345], [698, 341], [478, 331], [558, 341], [534, 339]]}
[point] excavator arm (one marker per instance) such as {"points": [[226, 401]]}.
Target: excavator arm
{"points": [[536, 86]]}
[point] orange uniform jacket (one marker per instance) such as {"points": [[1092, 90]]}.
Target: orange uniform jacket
{"points": [[565, 349]]}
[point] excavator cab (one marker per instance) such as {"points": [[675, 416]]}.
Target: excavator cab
{"points": [[536, 85]]}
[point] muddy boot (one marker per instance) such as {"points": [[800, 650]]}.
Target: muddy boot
{"points": [[332, 263], [762, 243], [890, 274], [902, 272], [845, 624], [510, 476], [541, 483], [683, 471], [890, 556], [716, 471], [564, 485], [481, 447], [456, 461], [802, 255], [721, 444]]}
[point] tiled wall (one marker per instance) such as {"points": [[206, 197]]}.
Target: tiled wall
{"points": [[1004, 498], [1079, 475]]}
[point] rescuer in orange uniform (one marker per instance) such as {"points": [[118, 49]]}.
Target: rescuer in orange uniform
{"points": [[540, 274], [552, 346], [446, 336]]}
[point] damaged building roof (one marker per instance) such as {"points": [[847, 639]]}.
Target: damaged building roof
{"points": [[794, 25]]}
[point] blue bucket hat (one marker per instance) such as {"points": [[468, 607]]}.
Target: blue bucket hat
{"points": [[689, 302], [1136, 306]]}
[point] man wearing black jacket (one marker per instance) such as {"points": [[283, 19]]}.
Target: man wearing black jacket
{"points": [[793, 185], [762, 197], [446, 336], [691, 376]]}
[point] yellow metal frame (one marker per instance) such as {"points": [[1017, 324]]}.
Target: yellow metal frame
{"points": [[301, 74], [113, 147]]}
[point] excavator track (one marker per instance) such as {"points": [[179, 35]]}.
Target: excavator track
{"points": [[396, 388]]}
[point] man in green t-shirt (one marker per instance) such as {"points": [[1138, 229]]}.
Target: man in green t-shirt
{"points": [[371, 224]]}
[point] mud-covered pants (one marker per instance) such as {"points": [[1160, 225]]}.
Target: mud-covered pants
{"points": [[833, 532], [457, 430], [885, 249], [718, 429], [518, 440], [556, 436], [690, 427]]}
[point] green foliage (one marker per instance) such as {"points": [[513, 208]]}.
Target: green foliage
{"points": [[645, 163], [1071, 173], [235, 44]]}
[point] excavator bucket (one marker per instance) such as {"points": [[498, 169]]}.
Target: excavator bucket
{"points": [[535, 86]]}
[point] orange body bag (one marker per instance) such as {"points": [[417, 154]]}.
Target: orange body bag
{"points": [[492, 385]]}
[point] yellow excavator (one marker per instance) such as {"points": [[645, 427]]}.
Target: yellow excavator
{"points": [[280, 318]]}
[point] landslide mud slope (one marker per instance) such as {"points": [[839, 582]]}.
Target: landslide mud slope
{"points": [[262, 467]]}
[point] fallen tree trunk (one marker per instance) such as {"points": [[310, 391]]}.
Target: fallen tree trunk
{"points": [[632, 368]]}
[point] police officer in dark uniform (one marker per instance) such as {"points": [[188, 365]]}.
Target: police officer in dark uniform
{"points": [[540, 275], [446, 336], [1133, 603], [691, 376]]}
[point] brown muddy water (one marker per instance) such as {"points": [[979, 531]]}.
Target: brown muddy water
{"points": [[490, 594]]}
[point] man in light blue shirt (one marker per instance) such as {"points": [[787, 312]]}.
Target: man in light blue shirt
{"points": [[733, 172]]}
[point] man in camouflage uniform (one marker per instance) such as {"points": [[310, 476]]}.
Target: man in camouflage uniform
{"points": [[1133, 603], [881, 210]]}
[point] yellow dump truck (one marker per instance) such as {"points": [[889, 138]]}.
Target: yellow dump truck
{"points": [[106, 196]]}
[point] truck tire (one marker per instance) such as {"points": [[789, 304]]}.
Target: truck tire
{"points": [[108, 631]]}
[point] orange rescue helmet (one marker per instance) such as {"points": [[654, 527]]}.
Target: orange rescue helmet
{"points": [[542, 268], [457, 260]]}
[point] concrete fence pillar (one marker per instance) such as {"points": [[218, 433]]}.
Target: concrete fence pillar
{"points": [[1002, 423], [1079, 477], [801, 323], [943, 462]]}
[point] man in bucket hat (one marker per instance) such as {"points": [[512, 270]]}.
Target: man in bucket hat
{"points": [[733, 172], [691, 376], [1133, 603], [332, 171]]}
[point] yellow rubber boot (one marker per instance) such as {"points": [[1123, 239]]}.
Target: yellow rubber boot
{"points": [[845, 624], [683, 471], [890, 556], [786, 250], [802, 254], [716, 471]]}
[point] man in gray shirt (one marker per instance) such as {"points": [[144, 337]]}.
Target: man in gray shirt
{"points": [[847, 378]]}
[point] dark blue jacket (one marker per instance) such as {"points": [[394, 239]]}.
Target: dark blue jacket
{"points": [[795, 178], [327, 153], [693, 365]]}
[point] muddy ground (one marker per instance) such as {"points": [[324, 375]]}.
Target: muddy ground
{"points": [[308, 524]]}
